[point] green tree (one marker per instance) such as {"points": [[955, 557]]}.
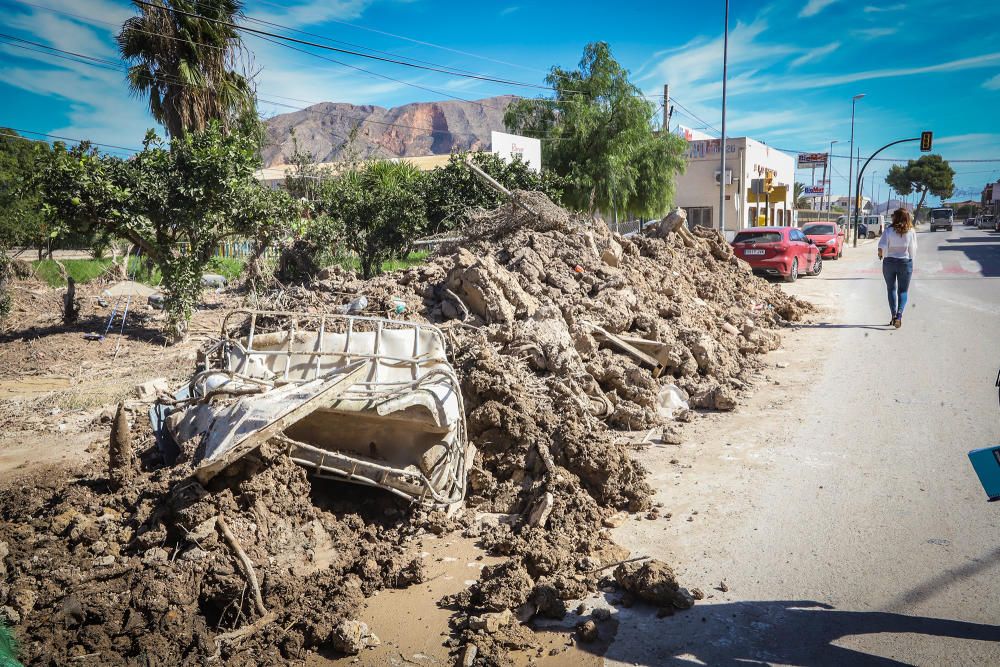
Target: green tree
{"points": [[21, 219], [375, 210], [929, 174], [597, 132], [799, 196], [453, 189], [186, 64], [175, 203]]}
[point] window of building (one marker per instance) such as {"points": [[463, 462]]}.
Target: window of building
{"points": [[699, 216]]}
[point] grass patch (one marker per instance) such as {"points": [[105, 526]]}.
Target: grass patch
{"points": [[413, 259], [230, 267], [86, 270]]}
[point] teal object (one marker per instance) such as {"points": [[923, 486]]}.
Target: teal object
{"points": [[8, 648], [986, 463]]}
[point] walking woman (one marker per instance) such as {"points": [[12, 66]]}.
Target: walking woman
{"points": [[896, 249]]}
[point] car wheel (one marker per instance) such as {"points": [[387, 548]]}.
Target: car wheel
{"points": [[871, 235], [817, 265], [793, 273]]}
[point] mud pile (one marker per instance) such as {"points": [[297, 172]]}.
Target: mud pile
{"points": [[524, 299], [530, 302]]}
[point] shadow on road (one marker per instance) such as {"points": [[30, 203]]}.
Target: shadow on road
{"points": [[788, 632], [827, 325], [947, 578], [982, 249]]}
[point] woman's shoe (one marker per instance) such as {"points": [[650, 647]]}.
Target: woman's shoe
{"points": [[897, 322]]}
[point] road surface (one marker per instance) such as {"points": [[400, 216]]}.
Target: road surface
{"points": [[838, 504]]}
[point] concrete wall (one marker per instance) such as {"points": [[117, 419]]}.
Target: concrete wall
{"points": [[747, 159]]}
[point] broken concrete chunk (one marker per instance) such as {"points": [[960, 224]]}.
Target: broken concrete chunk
{"points": [[213, 280], [351, 637], [469, 655], [587, 631], [541, 511], [491, 622], [148, 391]]}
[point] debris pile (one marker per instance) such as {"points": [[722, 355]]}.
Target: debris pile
{"points": [[561, 335]]}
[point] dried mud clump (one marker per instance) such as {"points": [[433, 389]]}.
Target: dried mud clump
{"points": [[144, 574]]}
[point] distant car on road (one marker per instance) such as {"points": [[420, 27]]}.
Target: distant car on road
{"points": [[986, 222], [778, 251], [942, 218], [827, 236], [971, 221]]}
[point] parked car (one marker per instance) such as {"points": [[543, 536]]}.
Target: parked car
{"points": [[827, 236], [986, 222], [942, 218], [971, 221], [778, 251]]}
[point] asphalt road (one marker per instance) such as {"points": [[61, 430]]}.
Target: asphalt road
{"points": [[838, 503]]}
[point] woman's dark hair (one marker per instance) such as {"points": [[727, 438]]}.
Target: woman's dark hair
{"points": [[902, 221]]}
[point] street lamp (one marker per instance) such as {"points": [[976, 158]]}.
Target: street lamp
{"points": [[722, 147], [850, 173], [829, 183]]}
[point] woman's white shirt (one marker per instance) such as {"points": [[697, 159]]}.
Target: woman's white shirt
{"points": [[898, 246]]}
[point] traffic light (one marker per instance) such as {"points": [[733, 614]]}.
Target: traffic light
{"points": [[926, 139]]}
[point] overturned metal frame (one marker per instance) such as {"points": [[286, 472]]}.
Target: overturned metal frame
{"points": [[371, 390]]}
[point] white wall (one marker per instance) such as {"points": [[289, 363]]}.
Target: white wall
{"points": [[746, 159], [508, 145]]}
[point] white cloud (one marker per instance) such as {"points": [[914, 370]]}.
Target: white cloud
{"points": [[871, 9], [992, 84], [806, 83], [873, 33], [815, 54], [814, 7], [65, 33], [509, 10], [313, 12], [972, 137]]}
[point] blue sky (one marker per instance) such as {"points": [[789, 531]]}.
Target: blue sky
{"points": [[794, 66]]}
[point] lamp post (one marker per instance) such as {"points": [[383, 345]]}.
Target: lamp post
{"points": [[829, 183], [850, 174], [722, 147]]}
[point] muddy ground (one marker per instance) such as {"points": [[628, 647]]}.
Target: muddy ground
{"points": [[161, 570]]}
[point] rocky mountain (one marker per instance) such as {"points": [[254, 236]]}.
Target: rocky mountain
{"points": [[421, 128]]}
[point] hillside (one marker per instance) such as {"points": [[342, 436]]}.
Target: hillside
{"points": [[421, 128]]}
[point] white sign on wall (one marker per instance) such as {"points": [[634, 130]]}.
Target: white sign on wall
{"points": [[508, 145]]}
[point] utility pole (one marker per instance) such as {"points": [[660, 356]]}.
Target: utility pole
{"points": [[827, 183], [850, 173], [722, 147], [666, 108]]}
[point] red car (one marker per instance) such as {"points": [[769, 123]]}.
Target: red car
{"points": [[827, 238], [778, 251]]}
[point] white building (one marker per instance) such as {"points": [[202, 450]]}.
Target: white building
{"points": [[746, 160]]}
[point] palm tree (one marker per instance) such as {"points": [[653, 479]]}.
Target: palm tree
{"points": [[184, 58], [798, 196]]}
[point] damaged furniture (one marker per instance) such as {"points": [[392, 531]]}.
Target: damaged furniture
{"points": [[366, 400]]}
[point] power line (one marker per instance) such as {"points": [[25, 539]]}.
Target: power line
{"points": [[395, 61], [56, 136], [417, 41]]}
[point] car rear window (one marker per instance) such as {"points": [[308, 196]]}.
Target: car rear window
{"points": [[817, 229], [940, 213], [758, 237]]}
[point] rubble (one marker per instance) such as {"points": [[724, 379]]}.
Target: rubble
{"points": [[521, 302]]}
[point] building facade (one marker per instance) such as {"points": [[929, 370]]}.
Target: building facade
{"points": [[746, 160]]}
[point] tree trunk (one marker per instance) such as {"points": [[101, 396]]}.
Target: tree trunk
{"points": [[920, 204]]}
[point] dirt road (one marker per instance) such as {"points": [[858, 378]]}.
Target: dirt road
{"points": [[838, 505]]}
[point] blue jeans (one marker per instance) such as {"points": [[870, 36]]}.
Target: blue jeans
{"points": [[897, 273]]}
